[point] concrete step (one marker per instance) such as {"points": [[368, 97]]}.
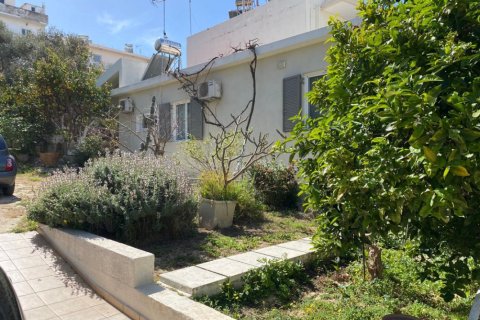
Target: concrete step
{"points": [[207, 278]]}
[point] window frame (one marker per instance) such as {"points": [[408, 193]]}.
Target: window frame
{"points": [[306, 88], [173, 111]]}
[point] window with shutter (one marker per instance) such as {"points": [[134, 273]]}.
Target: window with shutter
{"points": [[292, 100], [195, 120]]}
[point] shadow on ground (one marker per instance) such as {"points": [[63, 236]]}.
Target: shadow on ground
{"points": [[8, 199], [206, 245]]}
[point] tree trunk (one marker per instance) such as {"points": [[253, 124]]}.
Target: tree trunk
{"points": [[375, 265]]}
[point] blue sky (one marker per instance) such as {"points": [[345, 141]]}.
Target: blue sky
{"points": [[115, 22]]}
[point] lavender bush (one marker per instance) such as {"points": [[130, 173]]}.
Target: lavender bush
{"points": [[127, 197]]}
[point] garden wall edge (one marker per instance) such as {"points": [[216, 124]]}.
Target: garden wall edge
{"points": [[136, 295]]}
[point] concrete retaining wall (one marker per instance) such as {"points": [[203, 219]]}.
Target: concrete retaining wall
{"points": [[123, 276]]}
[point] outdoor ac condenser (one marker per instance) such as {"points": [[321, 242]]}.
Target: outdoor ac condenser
{"points": [[209, 90], [126, 105]]}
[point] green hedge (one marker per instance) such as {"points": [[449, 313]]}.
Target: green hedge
{"points": [[127, 197]]}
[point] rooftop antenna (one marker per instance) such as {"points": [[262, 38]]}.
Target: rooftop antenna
{"points": [[190, 8], [164, 21]]}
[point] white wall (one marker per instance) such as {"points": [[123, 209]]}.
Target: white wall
{"points": [[276, 20], [110, 56], [16, 24], [237, 91]]}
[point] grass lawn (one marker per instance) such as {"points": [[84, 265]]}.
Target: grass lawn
{"points": [[244, 236], [341, 293]]}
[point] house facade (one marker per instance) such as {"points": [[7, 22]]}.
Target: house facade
{"points": [[25, 19], [107, 57], [286, 70]]}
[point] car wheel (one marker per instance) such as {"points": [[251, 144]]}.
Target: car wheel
{"points": [[8, 191]]}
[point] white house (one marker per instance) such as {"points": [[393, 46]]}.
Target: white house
{"points": [[25, 19], [289, 61], [107, 57]]}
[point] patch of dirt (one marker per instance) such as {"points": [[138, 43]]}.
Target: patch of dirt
{"points": [[12, 209]]}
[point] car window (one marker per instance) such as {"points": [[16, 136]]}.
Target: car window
{"points": [[3, 145]]}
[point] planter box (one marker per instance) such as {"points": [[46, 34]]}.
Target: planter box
{"points": [[215, 214]]}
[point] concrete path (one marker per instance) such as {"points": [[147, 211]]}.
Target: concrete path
{"points": [[47, 287]]}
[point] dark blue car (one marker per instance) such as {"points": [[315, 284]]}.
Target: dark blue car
{"points": [[8, 169]]}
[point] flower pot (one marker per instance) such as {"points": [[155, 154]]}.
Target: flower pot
{"points": [[49, 159], [215, 214]]}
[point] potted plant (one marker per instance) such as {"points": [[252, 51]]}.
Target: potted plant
{"points": [[218, 201]]}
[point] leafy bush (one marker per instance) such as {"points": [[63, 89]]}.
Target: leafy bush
{"points": [[275, 185], [123, 196], [248, 207], [91, 147], [398, 145]]}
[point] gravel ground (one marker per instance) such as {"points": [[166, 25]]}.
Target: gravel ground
{"points": [[12, 208]]}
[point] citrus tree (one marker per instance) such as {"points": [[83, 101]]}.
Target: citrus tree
{"points": [[48, 85], [397, 146]]}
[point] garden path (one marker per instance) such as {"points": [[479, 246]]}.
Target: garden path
{"points": [[12, 209], [47, 287]]}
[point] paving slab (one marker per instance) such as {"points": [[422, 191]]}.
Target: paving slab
{"points": [[253, 258], [233, 270], [299, 245], [194, 281], [284, 253], [46, 286]]}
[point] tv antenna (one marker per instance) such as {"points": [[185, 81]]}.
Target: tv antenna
{"points": [[190, 8]]}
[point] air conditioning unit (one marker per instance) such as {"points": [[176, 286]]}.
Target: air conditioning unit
{"points": [[126, 105], [209, 90]]}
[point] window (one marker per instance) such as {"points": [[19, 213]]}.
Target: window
{"points": [[33, 9], [181, 121], [26, 31], [140, 123], [97, 59], [313, 112], [3, 144], [188, 120]]}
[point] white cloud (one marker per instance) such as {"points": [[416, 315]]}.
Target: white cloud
{"points": [[114, 25]]}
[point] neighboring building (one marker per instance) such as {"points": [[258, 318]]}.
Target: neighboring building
{"points": [[106, 57], [287, 67], [30, 18], [26, 19], [276, 20]]}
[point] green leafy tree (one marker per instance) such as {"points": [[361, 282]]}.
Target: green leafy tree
{"points": [[47, 85], [397, 146]]}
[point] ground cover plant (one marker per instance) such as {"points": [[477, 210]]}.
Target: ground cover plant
{"points": [[127, 197], [397, 148], [244, 235], [332, 291]]}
